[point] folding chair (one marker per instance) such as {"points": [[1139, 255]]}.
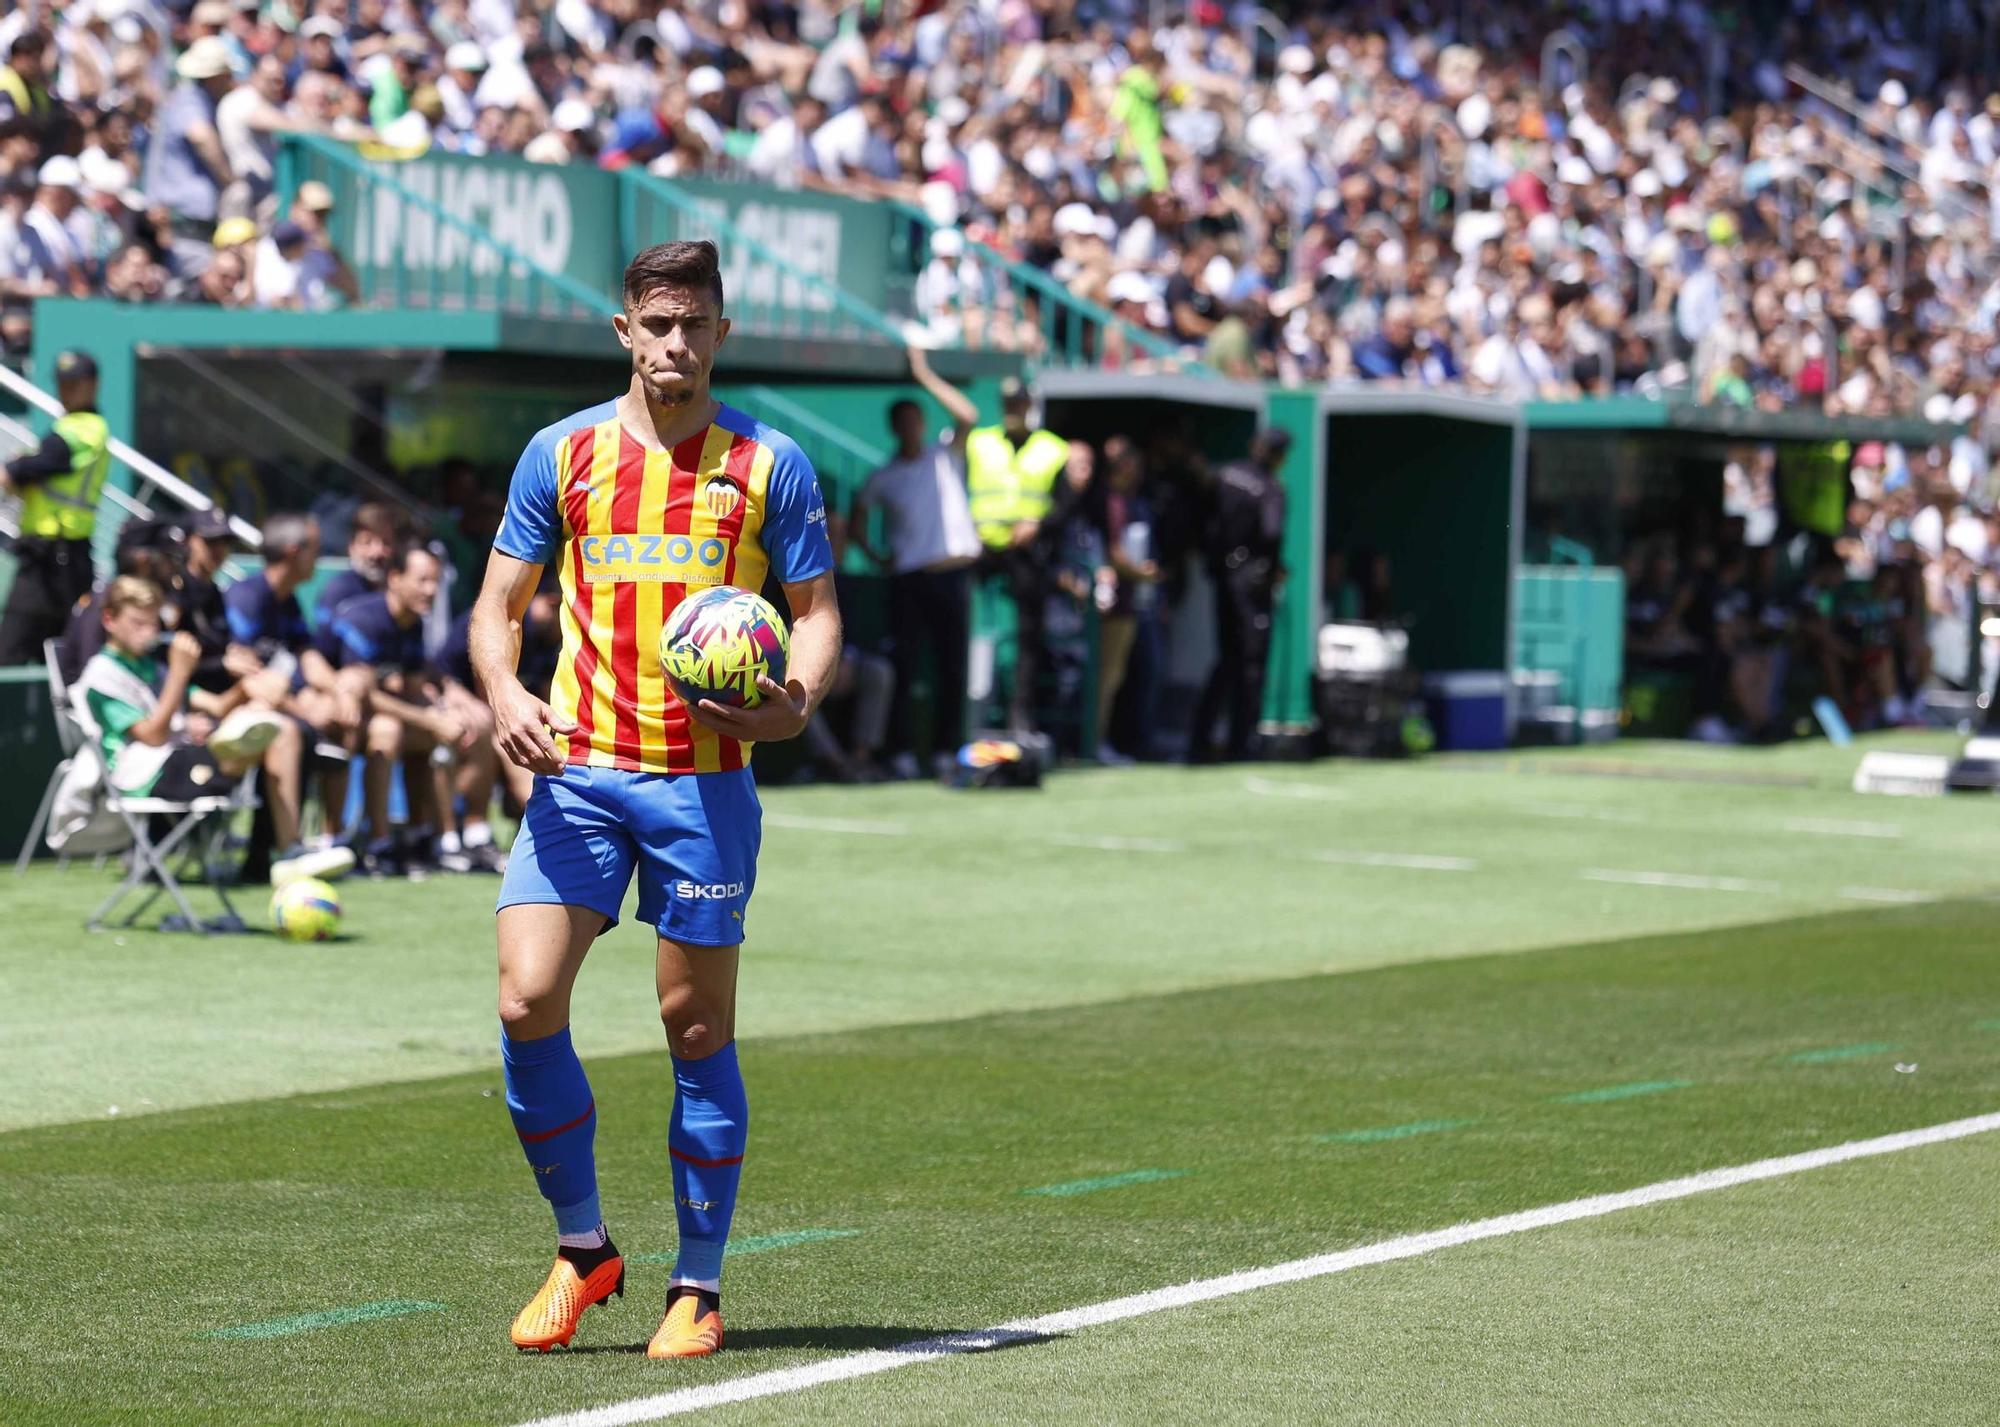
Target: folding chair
{"points": [[151, 862], [68, 738]]}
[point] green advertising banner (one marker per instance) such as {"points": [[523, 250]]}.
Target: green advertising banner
{"points": [[412, 230], [563, 218]]}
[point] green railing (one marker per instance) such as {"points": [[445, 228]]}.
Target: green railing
{"points": [[1025, 310], [842, 459], [769, 295], [408, 250]]}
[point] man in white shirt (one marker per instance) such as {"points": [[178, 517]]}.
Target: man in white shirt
{"points": [[932, 545], [783, 154], [50, 255], [248, 120], [277, 280]]}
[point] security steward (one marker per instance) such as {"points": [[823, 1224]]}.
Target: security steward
{"points": [[59, 485], [1010, 475], [1244, 550]]}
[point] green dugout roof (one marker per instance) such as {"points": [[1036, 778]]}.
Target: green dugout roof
{"points": [[1638, 413]]}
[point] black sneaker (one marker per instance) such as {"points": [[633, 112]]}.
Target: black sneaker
{"points": [[382, 858], [486, 858]]}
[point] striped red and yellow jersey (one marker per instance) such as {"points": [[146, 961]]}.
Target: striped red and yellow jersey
{"points": [[633, 531]]}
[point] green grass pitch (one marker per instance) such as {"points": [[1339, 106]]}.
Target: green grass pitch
{"points": [[1015, 1053]]}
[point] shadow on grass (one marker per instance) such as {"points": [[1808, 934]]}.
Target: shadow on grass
{"points": [[850, 1338]]}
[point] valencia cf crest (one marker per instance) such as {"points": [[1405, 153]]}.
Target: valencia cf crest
{"points": [[722, 494]]}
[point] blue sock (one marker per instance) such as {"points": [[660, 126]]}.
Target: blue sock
{"points": [[557, 1120], [710, 1126]]}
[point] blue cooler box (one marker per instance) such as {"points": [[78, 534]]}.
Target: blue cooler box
{"points": [[1468, 708]]}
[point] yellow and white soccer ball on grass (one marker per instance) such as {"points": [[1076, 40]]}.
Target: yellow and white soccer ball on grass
{"points": [[306, 910]]}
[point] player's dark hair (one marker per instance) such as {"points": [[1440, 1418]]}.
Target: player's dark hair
{"points": [[691, 265], [897, 407], [399, 561], [31, 42]]}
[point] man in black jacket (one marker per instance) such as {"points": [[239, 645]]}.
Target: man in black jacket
{"points": [[1244, 550]]}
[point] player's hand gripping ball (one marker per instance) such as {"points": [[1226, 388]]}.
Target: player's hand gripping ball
{"points": [[717, 644], [306, 910]]}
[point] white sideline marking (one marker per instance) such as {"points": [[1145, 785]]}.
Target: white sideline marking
{"points": [[1270, 788], [1116, 844], [1684, 880], [1885, 894], [1828, 827], [853, 1365], [1412, 861], [856, 825]]}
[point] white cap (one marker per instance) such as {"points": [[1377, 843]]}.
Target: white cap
{"points": [[103, 174], [1574, 172], [320, 25], [1129, 286], [62, 171], [953, 111], [546, 147], [1645, 184], [1893, 94], [206, 58], [574, 116], [705, 81], [947, 243], [1295, 59], [465, 55], [1075, 218]]}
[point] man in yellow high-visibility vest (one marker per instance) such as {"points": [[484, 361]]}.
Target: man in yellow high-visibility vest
{"points": [[59, 484], [1011, 472]]}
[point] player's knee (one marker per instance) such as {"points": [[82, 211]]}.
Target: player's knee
{"points": [[695, 1029], [528, 1013], [286, 747], [385, 735]]}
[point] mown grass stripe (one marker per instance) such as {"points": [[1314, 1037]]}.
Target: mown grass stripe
{"points": [[760, 1244], [1392, 1132], [1839, 1052], [331, 1318], [1109, 1181], [1992, 1025], [846, 1367], [1629, 1091]]}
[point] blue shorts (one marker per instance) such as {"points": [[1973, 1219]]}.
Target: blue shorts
{"points": [[691, 837]]}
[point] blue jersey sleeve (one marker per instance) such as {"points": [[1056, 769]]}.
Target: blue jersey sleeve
{"points": [[244, 610], [795, 518], [529, 529]]}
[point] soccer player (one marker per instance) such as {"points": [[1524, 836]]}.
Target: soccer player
{"points": [[642, 499]]}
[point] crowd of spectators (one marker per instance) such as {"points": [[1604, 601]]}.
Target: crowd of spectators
{"points": [[1397, 191], [1390, 191]]}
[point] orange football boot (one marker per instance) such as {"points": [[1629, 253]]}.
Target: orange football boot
{"points": [[552, 1314], [687, 1332]]}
